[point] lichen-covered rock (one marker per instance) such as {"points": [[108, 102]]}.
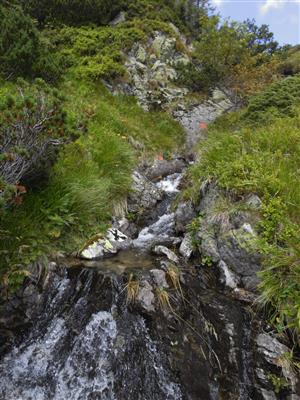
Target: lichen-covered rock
{"points": [[203, 113], [152, 71], [144, 194], [145, 297], [159, 278]]}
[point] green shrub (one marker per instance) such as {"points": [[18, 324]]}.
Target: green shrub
{"points": [[23, 51], [195, 78], [32, 126], [72, 12], [291, 63], [278, 100], [19, 41], [94, 53]]}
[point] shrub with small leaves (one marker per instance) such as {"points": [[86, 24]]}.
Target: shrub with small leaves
{"points": [[32, 127]]}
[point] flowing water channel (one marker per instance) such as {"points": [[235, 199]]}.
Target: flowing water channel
{"points": [[81, 340]]}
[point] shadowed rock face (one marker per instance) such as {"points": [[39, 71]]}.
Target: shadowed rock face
{"points": [[79, 339]]}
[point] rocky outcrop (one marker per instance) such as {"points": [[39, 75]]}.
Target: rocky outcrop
{"points": [[228, 238], [151, 69], [190, 117], [144, 194]]}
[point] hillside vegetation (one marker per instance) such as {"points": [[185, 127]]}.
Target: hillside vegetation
{"points": [[257, 151]]}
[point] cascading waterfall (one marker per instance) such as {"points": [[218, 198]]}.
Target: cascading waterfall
{"points": [[82, 340]]}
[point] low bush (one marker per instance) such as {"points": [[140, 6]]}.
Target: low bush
{"points": [[23, 51], [94, 53], [278, 100], [32, 127]]}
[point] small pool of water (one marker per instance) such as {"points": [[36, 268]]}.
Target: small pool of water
{"points": [[124, 261]]}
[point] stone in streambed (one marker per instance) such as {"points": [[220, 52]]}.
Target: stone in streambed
{"points": [[159, 278], [186, 247], [184, 215], [100, 246], [145, 297], [162, 250], [144, 195]]}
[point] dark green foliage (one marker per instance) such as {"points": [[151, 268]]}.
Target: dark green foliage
{"points": [[193, 77], [259, 39], [23, 51], [19, 42], [278, 100], [291, 61], [73, 12]]}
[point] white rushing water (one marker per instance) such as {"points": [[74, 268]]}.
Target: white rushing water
{"points": [[160, 230], [163, 228], [36, 371], [170, 183]]}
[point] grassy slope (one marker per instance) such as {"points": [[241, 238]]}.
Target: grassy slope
{"points": [[258, 151], [91, 176]]}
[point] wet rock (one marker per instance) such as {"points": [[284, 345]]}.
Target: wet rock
{"points": [[244, 295], [145, 297], [99, 248], [163, 168], [268, 394], [144, 195], [186, 248], [184, 215], [159, 278], [118, 239], [227, 276], [273, 352], [162, 250], [228, 239], [271, 348], [125, 226], [110, 244]]}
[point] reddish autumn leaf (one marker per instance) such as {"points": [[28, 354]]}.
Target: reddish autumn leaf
{"points": [[160, 157], [20, 189]]}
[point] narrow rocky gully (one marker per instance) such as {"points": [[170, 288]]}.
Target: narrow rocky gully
{"points": [[139, 314]]}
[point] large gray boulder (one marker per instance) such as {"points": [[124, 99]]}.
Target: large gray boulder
{"points": [[228, 239], [144, 194], [184, 215]]}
